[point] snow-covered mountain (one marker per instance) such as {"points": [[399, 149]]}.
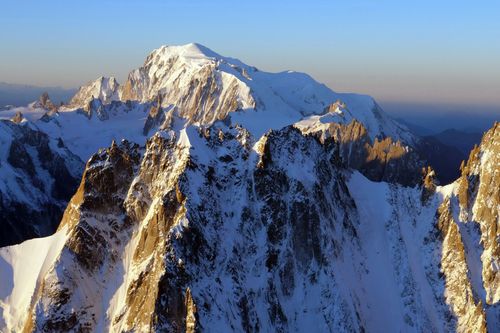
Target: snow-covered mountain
{"points": [[241, 200], [105, 89], [179, 86], [190, 84], [38, 175], [202, 231]]}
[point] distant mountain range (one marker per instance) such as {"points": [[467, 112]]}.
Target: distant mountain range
{"points": [[428, 119], [464, 141], [21, 94], [446, 149]]}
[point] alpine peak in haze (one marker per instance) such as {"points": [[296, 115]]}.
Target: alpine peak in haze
{"points": [[204, 86], [219, 198], [182, 85]]}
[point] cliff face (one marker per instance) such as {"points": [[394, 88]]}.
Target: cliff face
{"points": [[205, 229], [460, 295], [468, 224], [379, 159], [479, 206]]}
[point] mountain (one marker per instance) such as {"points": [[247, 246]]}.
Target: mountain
{"points": [[179, 86], [177, 235], [38, 177], [439, 117], [446, 150], [230, 199], [444, 159], [182, 85], [104, 89], [462, 140], [478, 196]]}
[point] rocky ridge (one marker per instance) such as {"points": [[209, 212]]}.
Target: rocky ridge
{"points": [[202, 221]]}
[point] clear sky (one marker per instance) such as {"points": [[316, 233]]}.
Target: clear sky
{"points": [[411, 51]]}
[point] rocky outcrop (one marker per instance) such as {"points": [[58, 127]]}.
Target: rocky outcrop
{"points": [[44, 102], [468, 221], [428, 184], [156, 117], [172, 226], [470, 313], [103, 219], [95, 107], [18, 118], [479, 199]]}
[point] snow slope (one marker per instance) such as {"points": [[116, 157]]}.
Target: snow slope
{"points": [[22, 268]]}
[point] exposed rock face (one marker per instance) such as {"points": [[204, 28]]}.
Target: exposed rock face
{"points": [[42, 177], [110, 200], [479, 199], [392, 155], [95, 107], [381, 159], [460, 296], [468, 222], [44, 102], [156, 117], [206, 229], [18, 118], [192, 82], [428, 184]]}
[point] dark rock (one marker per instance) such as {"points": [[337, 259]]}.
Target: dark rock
{"points": [[18, 118]]}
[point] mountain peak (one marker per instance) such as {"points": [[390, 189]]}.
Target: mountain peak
{"points": [[104, 88], [205, 86], [191, 51]]}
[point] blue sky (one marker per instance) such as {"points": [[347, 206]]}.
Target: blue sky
{"points": [[419, 51]]}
